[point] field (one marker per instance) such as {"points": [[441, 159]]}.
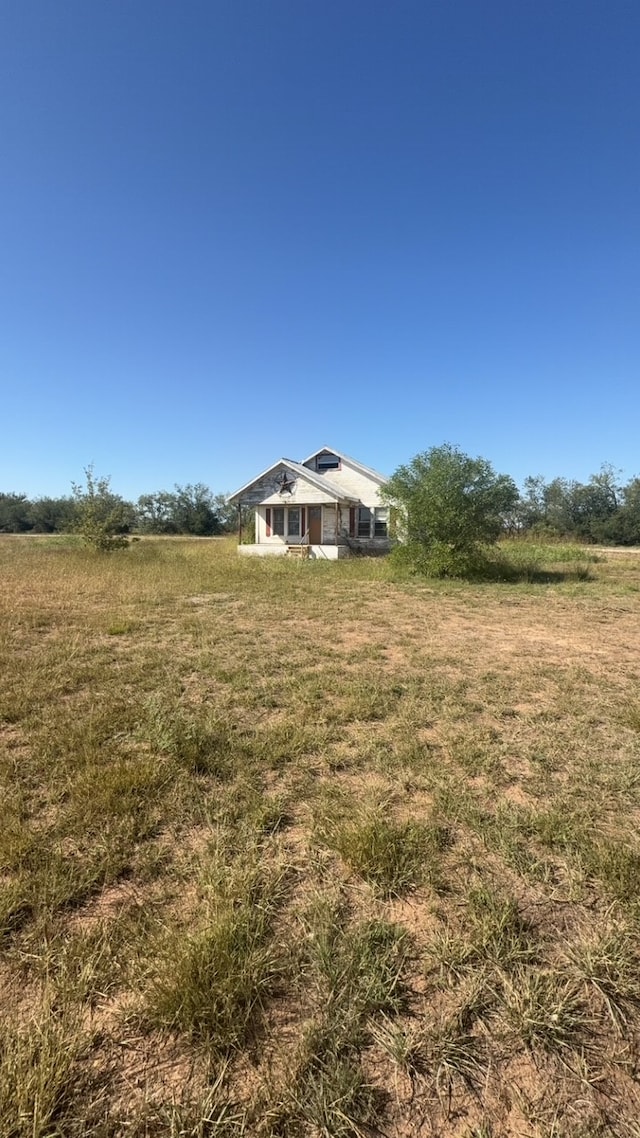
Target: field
{"points": [[301, 849]]}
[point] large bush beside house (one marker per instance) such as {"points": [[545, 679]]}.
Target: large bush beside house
{"points": [[448, 507]]}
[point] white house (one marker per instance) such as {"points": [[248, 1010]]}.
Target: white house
{"points": [[327, 506]]}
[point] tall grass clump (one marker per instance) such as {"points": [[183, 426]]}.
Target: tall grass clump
{"points": [[219, 979], [40, 1072], [201, 743], [394, 857], [353, 973], [213, 983]]}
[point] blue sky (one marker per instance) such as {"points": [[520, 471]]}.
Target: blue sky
{"points": [[232, 230]]}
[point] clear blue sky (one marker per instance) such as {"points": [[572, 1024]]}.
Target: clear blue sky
{"points": [[232, 230]]}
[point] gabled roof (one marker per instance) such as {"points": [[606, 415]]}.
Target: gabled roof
{"points": [[375, 474], [317, 480]]}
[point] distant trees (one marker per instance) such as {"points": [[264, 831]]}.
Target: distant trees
{"points": [[190, 509], [624, 527], [52, 515], [155, 513], [195, 511], [227, 514], [14, 513], [43, 515], [600, 510], [449, 506]]}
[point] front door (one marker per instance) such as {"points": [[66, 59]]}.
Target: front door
{"points": [[315, 525]]}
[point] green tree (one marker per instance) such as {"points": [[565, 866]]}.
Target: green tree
{"points": [[155, 513], [623, 527], [102, 518], [52, 515], [596, 504], [532, 507], [560, 507], [188, 509], [450, 505], [195, 510], [566, 508], [14, 513]]}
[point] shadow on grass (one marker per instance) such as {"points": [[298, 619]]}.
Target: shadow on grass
{"points": [[492, 569], [510, 573]]}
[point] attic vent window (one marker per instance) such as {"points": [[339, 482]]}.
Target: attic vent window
{"points": [[326, 462]]}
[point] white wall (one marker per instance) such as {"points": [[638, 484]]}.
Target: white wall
{"points": [[352, 483]]}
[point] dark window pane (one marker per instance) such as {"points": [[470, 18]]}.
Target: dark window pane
{"points": [[380, 526], [327, 462], [364, 522]]}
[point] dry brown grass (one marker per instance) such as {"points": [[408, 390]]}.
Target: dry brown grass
{"points": [[300, 849]]}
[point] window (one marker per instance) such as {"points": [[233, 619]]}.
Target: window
{"points": [[364, 521], [281, 520], [380, 521], [326, 462]]}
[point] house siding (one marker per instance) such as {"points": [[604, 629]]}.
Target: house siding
{"points": [[350, 483], [263, 492]]}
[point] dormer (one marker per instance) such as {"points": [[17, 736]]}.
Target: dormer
{"points": [[324, 462]]}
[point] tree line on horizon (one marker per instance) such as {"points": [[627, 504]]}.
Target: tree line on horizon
{"points": [[190, 509], [602, 510]]}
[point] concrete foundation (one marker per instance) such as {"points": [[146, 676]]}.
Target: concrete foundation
{"points": [[316, 552]]}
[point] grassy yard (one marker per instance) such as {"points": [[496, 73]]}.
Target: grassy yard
{"points": [[298, 850]]}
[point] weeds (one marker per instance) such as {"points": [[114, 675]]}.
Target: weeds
{"points": [[201, 745], [330, 1096], [454, 1057], [40, 1079], [607, 961], [545, 1010], [404, 1044], [357, 969], [393, 856], [499, 934], [215, 982], [354, 975], [218, 980]]}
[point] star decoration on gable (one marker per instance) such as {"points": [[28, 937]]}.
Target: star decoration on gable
{"points": [[285, 483]]}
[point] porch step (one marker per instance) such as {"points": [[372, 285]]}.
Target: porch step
{"points": [[300, 551]]}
